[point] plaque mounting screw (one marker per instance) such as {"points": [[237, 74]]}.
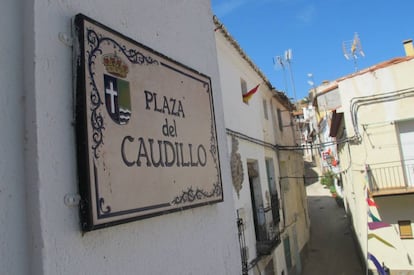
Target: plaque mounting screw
{"points": [[72, 200]]}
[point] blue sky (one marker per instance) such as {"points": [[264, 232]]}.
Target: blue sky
{"points": [[315, 32]]}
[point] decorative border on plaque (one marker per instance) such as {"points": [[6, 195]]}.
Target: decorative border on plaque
{"points": [[190, 195], [95, 125]]}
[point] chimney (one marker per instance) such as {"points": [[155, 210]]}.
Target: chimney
{"points": [[408, 47]]}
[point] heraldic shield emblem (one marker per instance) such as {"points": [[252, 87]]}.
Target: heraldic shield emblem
{"points": [[117, 93]]}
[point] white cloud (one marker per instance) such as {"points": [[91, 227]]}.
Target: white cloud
{"points": [[307, 14]]}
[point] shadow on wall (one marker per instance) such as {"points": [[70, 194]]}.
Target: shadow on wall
{"points": [[311, 173]]}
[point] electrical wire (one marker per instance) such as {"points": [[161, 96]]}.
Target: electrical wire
{"points": [[358, 102], [285, 147]]}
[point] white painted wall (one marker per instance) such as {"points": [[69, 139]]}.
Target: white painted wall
{"points": [[392, 210], [238, 115], [13, 237], [379, 145], [390, 79], [39, 232], [249, 120]]}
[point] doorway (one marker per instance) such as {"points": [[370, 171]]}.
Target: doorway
{"points": [[257, 201], [406, 131]]}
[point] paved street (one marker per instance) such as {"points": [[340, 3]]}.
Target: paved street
{"points": [[331, 250]]}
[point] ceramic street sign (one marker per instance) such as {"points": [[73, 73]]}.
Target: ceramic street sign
{"points": [[146, 131]]}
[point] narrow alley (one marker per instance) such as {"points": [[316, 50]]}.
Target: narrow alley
{"points": [[332, 249]]}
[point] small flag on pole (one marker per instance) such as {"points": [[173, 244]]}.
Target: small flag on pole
{"points": [[377, 225], [371, 202], [247, 96], [372, 235], [373, 217], [380, 269]]}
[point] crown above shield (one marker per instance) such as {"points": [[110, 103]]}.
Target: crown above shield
{"points": [[115, 65]]}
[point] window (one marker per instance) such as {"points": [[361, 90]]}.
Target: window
{"points": [[279, 118], [257, 201], [286, 247], [243, 86], [265, 109], [406, 231]]}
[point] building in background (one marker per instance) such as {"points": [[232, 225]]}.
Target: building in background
{"points": [[372, 128], [306, 127], [267, 165], [325, 101]]}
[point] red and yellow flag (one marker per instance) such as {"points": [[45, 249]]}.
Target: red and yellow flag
{"points": [[247, 96]]}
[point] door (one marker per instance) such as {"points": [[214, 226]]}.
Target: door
{"points": [[288, 257], [257, 202], [406, 129], [274, 198], [298, 263]]}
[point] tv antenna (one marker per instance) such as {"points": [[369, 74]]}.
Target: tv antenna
{"points": [[283, 62], [279, 62], [288, 58], [353, 49]]}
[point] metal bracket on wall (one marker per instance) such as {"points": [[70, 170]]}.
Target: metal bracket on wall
{"points": [[66, 39], [72, 200]]}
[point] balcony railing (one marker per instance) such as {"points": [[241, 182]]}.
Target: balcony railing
{"points": [[391, 178], [269, 237]]}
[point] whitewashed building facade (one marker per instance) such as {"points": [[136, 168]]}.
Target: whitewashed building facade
{"points": [[368, 118], [267, 168]]}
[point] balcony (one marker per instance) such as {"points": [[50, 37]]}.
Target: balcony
{"points": [[391, 178], [268, 238]]}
